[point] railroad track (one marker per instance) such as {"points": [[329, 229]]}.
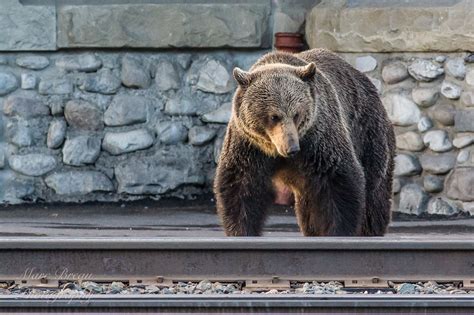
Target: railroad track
{"points": [[360, 265]]}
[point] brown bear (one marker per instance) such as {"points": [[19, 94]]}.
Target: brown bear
{"points": [[314, 123]]}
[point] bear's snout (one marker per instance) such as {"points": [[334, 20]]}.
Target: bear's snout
{"points": [[284, 137]]}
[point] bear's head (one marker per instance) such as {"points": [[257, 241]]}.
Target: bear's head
{"points": [[274, 106]]}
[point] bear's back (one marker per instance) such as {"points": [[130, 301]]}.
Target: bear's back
{"points": [[342, 75]]}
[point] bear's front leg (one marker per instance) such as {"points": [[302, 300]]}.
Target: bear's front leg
{"points": [[243, 193], [332, 204]]}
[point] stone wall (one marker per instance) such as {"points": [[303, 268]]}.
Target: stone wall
{"points": [[146, 116], [429, 98], [49, 25], [123, 125], [113, 125], [83, 123], [392, 25]]}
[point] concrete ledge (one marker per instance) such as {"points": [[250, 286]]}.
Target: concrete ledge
{"points": [[363, 26], [165, 25], [27, 27]]}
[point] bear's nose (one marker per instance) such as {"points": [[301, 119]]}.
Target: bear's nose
{"points": [[293, 149]]}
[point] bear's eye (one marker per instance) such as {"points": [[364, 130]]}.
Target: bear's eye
{"points": [[275, 118], [295, 118]]}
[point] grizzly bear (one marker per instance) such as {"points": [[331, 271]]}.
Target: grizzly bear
{"points": [[314, 123]]}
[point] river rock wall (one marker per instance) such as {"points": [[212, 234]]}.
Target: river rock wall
{"points": [[113, 126], [419, 56], [430, 100]]}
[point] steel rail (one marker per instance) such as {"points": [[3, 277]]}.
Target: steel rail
{"points": [[278, 243], [241, 258], [246, 303], [232, 259]]}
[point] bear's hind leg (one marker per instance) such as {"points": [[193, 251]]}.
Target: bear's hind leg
{"points": [[378, 213], [307, 216], [378, 206], [378, 165]]}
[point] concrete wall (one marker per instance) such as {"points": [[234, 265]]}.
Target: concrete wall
{"points": [[392, 25], [49, 25]]}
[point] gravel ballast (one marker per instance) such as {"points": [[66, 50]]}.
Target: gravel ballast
{"points": [[208, 287]]}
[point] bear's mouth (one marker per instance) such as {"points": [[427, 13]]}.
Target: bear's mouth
{"points": [[288, 154]]}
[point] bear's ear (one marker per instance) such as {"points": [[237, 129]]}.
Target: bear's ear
{"points": [[307, 72], [241, 76]]}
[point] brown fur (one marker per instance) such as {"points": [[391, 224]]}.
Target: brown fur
{"points": [[314, 123]]}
